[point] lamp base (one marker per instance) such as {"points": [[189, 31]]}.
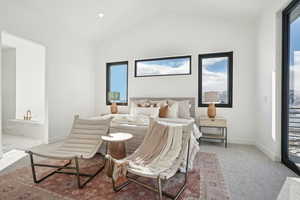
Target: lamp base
{"points": [[114, 108], [211, 110]]}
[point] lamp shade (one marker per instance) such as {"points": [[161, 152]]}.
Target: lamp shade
{"points": [[114, 96], [211, 97]]}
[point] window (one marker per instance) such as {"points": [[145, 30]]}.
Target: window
{"points": [[290, 115], [117, 83], [163, 66], [215, 77]]}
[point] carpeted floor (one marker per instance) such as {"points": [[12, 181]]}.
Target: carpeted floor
{"points": [[248, 172], [205, 182]]}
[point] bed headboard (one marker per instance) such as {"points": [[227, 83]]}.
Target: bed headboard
{"points": [[190, 99]]}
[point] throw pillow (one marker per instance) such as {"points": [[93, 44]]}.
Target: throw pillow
{"points": [[158, 103], [163, 111], [134, 104], [173, 110], [147, 111], [183, 108]]}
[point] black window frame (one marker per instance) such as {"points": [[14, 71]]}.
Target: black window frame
{"points": [[286, 86], [108, 65], [163, 58], [230, 77]]}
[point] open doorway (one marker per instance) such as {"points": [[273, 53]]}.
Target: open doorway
{"points": [[24, 121]]}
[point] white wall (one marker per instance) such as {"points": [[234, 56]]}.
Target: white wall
{"points": [[269, 69], [8, 85], [69, 63], [172, 35]]}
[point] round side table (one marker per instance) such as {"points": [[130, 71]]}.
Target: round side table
{"points": [[116, 147]]}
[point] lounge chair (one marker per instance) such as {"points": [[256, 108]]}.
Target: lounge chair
{"points": [[132, 173], [83, 142]]}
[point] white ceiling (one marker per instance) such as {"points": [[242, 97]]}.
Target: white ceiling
{"points": [[81, 16]]}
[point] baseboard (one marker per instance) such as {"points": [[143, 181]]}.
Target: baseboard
{"points": [[268, 152], [241, 141]]}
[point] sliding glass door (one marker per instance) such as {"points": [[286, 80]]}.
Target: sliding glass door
{"points": [[291, 87]]}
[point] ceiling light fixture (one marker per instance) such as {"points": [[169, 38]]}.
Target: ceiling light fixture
{"points": [[100, 15]]}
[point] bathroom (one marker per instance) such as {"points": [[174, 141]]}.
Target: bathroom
{"points": [[23, 95]]}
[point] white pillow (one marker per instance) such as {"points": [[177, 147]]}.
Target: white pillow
{"points": [[134, 104], [132, 108], [183, 108], [173, 110], [161, 103], [147, 111]]}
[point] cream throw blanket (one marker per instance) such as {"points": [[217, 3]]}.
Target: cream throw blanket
{"points": [[159, 150]]}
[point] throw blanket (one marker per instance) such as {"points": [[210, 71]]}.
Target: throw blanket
{"points": [[160, 148]]}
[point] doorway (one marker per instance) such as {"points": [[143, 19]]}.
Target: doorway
{"points": [[23, 93]]}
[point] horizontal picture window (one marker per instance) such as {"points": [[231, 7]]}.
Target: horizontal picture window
{"points": [[163, 66]]}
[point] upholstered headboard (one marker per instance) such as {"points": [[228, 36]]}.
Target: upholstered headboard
{"points": [[190, 99]]}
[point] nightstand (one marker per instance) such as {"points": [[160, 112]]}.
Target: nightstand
{"points": [[216, 123]]}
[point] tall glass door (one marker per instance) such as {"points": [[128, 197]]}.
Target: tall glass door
{"points": [[291, 87]]}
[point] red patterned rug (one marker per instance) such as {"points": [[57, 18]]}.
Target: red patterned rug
{"points": [[205, 182]]}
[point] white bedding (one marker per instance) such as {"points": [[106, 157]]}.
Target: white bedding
{"points": [[126, 119], [134, 125]]}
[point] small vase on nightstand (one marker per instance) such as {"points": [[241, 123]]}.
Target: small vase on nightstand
{"points": [[113, 97], [114, 108]]}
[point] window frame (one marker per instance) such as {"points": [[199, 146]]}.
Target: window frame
{"points": [[108, 65], [285, 86], [163, 58], [230, 77]]}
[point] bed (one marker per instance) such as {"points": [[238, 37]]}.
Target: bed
{"points": [[137, 125]]}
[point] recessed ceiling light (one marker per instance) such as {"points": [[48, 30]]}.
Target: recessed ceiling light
{"points": [[101, 15]]}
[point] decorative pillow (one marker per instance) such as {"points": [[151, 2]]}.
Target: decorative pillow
{"points": [[183, 108], [149, 112], [158, 103], [134, 104], [145, 105], [173, 110], [163, 111]]}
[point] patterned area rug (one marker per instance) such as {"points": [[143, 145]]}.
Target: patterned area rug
{"points": [[205, 182]]}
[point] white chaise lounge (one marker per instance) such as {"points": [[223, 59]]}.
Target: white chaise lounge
{"points": [[83, 142]]}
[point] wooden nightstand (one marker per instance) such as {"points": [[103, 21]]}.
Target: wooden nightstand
{"points": [[218, 123]]}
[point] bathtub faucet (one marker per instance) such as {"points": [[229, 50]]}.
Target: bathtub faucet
{"points": [[28, 115]]}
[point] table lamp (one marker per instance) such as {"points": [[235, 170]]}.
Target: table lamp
{"points": [[113, 97], [211, 98]]}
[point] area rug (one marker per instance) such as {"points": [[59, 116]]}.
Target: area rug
{"points": [[205, 182]]}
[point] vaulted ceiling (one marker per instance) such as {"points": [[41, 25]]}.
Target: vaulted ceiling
{"points": [[81, 16]]}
